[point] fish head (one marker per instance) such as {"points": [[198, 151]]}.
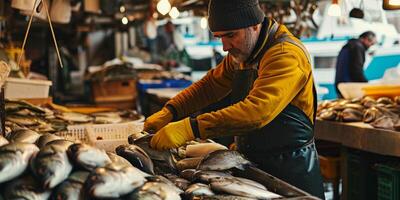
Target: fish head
{"points": [[102, 183]]}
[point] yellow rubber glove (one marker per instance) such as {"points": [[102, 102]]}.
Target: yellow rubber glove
{"points": [[158, 120], [173, 135]]}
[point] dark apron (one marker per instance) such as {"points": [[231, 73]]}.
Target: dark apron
{"points": [[284, 147]]}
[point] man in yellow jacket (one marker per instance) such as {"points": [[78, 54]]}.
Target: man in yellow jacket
{"points": [[268, 74]]}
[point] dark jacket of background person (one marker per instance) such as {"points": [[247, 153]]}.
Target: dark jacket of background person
{"points": [[351, 58]]}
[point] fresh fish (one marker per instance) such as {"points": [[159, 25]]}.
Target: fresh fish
{"points": [[198, 189], [368, 102], [58, 124], [352, 115], [14, 159], [107, 118], [222, 197], [74, 117], [188, 163], [51, 165], [384, 100], [13, 105], [46, 138], [221, 160], [137, 157], [163, 156], [118, 160], [72, 188], [397, 100], [236, 187], [3, 141], [114, 181], [188, 174], [61, 142], [202, 149], [25, 188], [88, 157], [251, 182], [384, 122], [24, 136], [371, 114], [181, 183], [155, 190], [23, 120], [328, 114], [207, 176], [143, 195], [162, 179]]}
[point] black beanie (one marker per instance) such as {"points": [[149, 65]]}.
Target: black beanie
{"points": [[225, 15]]}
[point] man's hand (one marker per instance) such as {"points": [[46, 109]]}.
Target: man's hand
{"points": [[173, 135], [158, 120]]}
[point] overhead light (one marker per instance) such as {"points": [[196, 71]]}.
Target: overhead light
{"points": [[394, 2], [122, 9], [174, 13], [203, 23], [334, 9], [163, 7], [125, 20], [391, 4]]}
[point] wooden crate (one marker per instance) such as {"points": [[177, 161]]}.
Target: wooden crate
{"points": [[115, 93]]}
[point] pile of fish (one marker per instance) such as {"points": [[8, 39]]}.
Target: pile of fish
{"points": [[380, 113], [35, 166], [21, 114]]}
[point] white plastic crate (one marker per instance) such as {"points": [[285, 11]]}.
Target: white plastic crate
{"points": [[17, 88], [104, 136]]}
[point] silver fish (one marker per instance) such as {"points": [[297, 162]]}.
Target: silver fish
{"points": [[188, 163], [25, 188], [251, 182], [24, 135], [46, 138], [51, 165], [72, 188], [236, 187], [14, 105], [198, 189], [3, 141], [181, 183], [88, 157], [188, 174], [223, 197], [14, 159], [61, 142], [114, 181], [163, 156], [142, 195], [162, 179], [207, 176], [107, 118], [23, 120], [158, 190], [118, 160], [221, 160], [74, 117], [137, 157]]}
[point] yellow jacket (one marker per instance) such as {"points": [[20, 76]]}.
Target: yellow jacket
{"points": [[284, 76]]}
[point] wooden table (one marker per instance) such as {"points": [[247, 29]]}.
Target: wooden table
{"points": [[360, 136], [384, 144]]}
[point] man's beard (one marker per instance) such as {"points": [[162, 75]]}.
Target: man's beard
{"points": [[250, 42]]}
